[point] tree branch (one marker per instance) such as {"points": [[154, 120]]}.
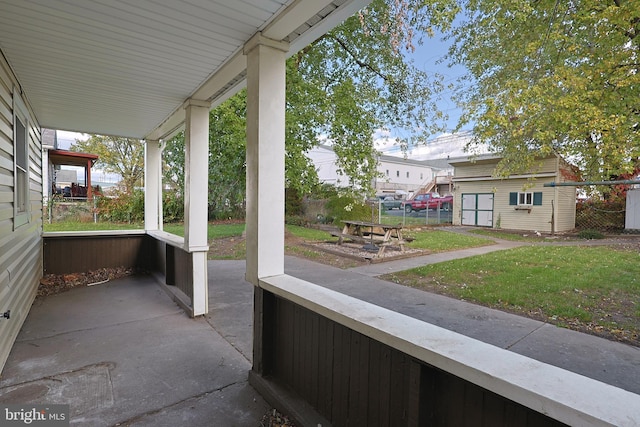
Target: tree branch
{"points": [[360, 63]]}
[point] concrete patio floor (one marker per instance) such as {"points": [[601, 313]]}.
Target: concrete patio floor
{"points": [[122, 353]]}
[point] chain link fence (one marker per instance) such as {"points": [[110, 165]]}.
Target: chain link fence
{"points": [[601, 215]]}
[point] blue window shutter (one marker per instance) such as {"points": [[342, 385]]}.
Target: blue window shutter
{"points": [[513, 199], [537, 199]]}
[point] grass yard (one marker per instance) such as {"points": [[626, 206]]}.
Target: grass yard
{"points": [[89, 226], [442, 241], [592, 289], [513, 236]]}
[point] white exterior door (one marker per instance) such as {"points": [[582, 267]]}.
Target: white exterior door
{"points": [[477, 209]]}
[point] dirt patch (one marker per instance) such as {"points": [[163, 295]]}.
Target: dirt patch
{"points": [[52, 284]]}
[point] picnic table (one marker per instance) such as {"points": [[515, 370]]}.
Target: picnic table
{"points": [[381, 235]]}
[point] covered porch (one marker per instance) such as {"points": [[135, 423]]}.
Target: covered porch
{"points": [[149, 82], [122, 352]]}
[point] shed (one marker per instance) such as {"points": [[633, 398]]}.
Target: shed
{"points": [[632, 213], [518, 202]]}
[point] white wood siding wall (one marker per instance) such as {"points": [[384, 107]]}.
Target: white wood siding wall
{"points": [[397, 178], [506, 216], [20, 249]]}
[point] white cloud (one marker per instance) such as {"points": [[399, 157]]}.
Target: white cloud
{"points": [[443, 146], [66, 138]]}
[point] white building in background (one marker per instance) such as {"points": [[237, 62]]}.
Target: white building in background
{"points": [[399, 175]]}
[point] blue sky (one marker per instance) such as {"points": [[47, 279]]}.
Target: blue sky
{"points": [[427, 58]]}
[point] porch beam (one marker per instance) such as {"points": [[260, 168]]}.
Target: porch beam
{"points": [[265, 157]]}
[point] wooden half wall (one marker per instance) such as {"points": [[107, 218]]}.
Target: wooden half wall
{"points": [[161, 255], [346, 362]]}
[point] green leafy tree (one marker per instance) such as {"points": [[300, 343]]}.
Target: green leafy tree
{"points": [[359, 78], [553, 76], [122, 156], [227, 168], [342, 88]]}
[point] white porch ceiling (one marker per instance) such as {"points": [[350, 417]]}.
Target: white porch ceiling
{"points": [[125, 67]]}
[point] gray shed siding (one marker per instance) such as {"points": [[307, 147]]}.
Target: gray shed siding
{"points": [[20, 245]]}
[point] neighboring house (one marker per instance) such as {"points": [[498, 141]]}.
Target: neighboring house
{"points": [[403, 175], [519, 202], [398, 175]]}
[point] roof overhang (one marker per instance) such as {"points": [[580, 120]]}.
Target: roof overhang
{"points": [[126, 68], [71, 158]]}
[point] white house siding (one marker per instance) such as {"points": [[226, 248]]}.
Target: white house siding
{"points": [[475, 178], [21, 246], [420, 174], [396, 179]]}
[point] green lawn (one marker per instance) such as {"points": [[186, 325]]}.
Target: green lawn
{"points": [[595, 287], [441, 241], [89, 226], [311, 234], [518, 237], [214, 231]]}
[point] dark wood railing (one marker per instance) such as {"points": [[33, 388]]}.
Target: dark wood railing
{"points": [[158, 253], [352, 363]]}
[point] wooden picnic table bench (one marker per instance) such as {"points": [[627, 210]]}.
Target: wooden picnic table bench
{"points": [[381, 235]]}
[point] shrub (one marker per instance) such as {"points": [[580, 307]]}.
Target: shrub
{"points": [[124, 207], [295, 220], [347, 208], [293, 202], [172, 206]]}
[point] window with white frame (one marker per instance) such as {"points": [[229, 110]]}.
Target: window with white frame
{"points": [[21, 162], [397, 174], [407, 174], [525, 199]]}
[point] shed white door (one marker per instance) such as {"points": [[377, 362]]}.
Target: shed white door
{"points": [[477, 209]]}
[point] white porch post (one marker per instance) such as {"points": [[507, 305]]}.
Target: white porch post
{"points": [[196, 193], [265, 157], [152, 186]]}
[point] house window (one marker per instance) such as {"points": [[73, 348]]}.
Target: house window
{"points": [[21, 162], [421, 176], [407, 174], [525, 199], [387, 172], [397, 174]]}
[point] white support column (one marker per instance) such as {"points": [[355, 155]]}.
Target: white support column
{"points": [[196, 164], [152, 186], [265, 157]]}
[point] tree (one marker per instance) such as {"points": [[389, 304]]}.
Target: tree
{"points": [[227, 168], [357, 79], [123, 156], [554, 76], [343, 87]]}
